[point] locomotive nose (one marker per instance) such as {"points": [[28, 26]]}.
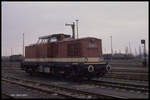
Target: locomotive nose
{"points": [[108, 67]]}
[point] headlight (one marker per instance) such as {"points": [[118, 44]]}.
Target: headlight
{"points": [[108, 68], [86, 59], [101, 59], [90, 68]]}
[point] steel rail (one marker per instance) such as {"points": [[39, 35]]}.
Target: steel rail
{"points": [[126, 76], [35, 87], [127, 86], [70, 92], [7, 95]]}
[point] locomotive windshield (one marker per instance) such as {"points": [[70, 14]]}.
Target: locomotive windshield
{"points": [[92, 45]]}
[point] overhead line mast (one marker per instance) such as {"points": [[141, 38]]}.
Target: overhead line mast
{"points": [[73, 29], [23, 45], [77, 28]]}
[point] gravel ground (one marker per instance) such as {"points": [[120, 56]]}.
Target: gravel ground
{"points": [[23, 92], [126, 81], [42, 78], [4, 96], [47, 79]]}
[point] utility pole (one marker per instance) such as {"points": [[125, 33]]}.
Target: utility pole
{"points": [[126, 52], [6, 51], [11, 51], [144, 49], [140, 53], [130, 48], [111, 47], [119, 51], [23, 45], [105, 50], [144, 52], [73, 29], [77, 28], [135, 52]]}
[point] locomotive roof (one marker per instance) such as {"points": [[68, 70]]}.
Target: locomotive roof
{"points": [[70, 39], [54, 35]]}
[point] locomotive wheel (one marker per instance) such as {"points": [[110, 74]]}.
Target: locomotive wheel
{"points": [[102, 74], [88, 78], [29, 70], [71, 74], [66, 75], [90, 68], [31, 74]]}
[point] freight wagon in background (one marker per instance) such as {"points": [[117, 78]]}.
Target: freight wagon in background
{"points": [[63, 55], [16, 58]]}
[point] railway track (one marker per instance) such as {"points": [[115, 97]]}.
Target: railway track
{"points": [[35, 86], [130, 71], [116, 75], [96, 84], [127, 76], [70, 92], [17, 90], [118, 71], [6, 96], [121, 85]]}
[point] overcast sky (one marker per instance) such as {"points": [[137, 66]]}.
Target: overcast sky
{"points": [[124, 21]]}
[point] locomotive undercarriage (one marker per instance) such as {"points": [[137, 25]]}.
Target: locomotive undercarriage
{"points": [[67, 70]]}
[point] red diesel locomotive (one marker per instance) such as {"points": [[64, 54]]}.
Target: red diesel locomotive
{"points": [[63, 55]]}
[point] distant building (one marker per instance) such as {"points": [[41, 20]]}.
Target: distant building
{"points": [[117, 56]]}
